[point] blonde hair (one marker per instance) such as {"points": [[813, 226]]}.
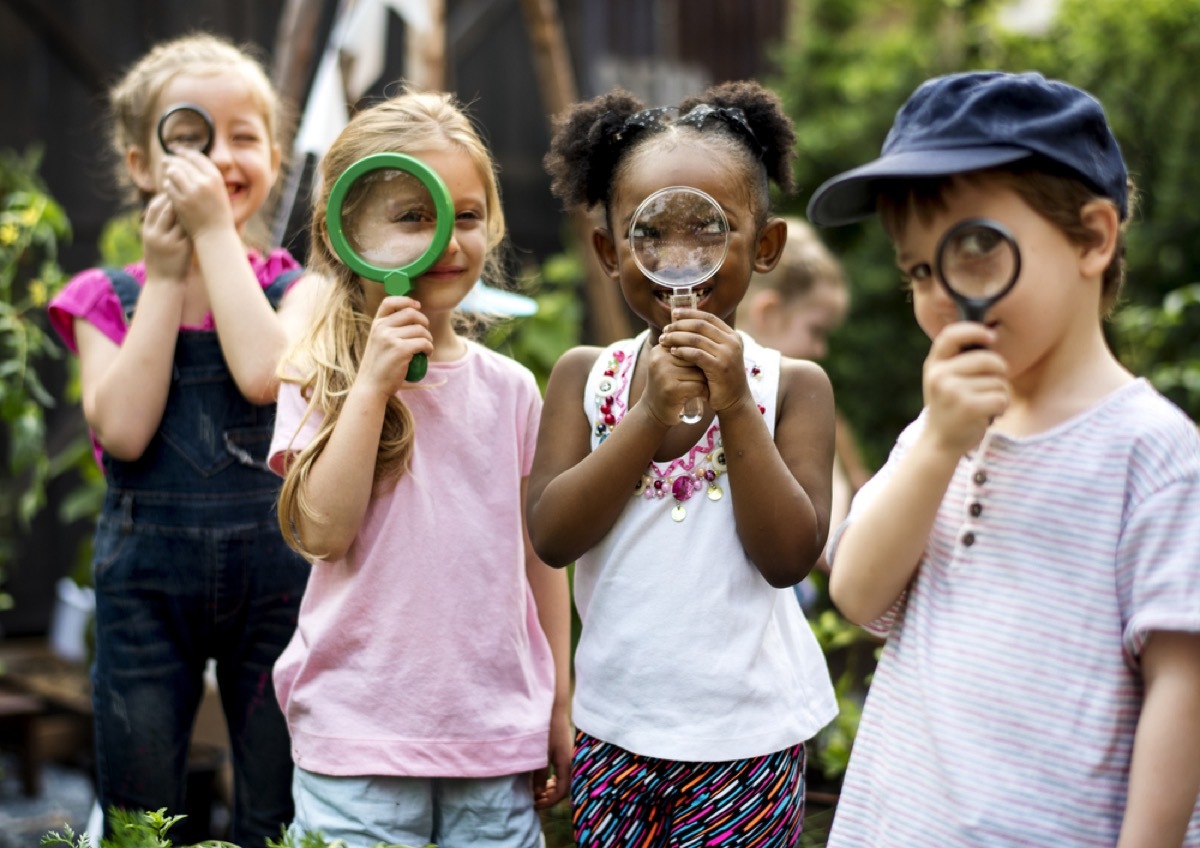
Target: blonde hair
{"points": [[133, 101], [326, 359], [805, 264]]}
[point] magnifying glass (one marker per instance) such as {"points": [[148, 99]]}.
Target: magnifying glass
{"points": [[679, 236], [389, 218], [977, 262], [186, 126]]}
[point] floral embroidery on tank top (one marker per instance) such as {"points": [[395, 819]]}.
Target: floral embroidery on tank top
{"points": [[698, 469]]}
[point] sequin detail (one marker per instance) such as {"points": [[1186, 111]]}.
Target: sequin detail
{"points": [[699, 470]]}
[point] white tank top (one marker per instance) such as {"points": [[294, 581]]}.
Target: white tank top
{"points": [[687, 653]]}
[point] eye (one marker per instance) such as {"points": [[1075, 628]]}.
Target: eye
{"points": [[916, 275]]}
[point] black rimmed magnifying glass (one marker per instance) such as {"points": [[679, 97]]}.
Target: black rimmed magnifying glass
{"points": [[977, 263], [186, 126], [679, 236], [389, 218]]}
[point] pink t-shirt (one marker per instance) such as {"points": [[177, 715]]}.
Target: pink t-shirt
{"points": [[89, 295], [420, 652]]}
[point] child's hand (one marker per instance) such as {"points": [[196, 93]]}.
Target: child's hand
{"points": [[670, 383], [705, 341], [167, 247], [197, 189], [964, 388], [399, 332]]}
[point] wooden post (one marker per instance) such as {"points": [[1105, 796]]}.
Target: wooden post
{"points": [[556, 80], [425, 52], [297, 41]]}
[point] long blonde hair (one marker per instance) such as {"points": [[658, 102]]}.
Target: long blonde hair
{"points": [[326, 359]]}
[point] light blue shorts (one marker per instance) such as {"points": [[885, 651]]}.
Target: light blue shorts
{"points": [[452, 812]]}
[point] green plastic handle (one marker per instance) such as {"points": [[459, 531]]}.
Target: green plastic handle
{"points": [[396, 281]]}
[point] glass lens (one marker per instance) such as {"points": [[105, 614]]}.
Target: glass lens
{"points": [[185, 129], [389, 218], [679, 236], [978, 261]]}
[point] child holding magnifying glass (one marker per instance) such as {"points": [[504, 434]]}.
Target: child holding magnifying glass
{"points": [[1039, 586], [178, 355], [698, 680], [429, 673]]}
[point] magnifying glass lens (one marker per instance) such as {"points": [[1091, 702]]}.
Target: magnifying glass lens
{"points": [[389, 218], [979, 261], [185, 129], [679, 236]]}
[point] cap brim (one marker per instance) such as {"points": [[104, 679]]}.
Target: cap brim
{"points": [[486, 300], [850, 196]]}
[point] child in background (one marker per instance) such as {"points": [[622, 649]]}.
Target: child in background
{"points": [[429, 674], [188, 562], [793, 308], [697, 678], [1031, 546]]}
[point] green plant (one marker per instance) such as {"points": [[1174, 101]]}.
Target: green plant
{"points": [[1162, 342], [32, 226], [149, 830]]}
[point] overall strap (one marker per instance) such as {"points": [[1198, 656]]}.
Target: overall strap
{"points": [[278, 287], [126, 287]]}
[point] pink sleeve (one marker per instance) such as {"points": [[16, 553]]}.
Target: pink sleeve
{"points": [[293, 432], [278, 261], [90, 296]]}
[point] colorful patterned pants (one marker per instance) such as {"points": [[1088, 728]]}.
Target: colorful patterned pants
{"points": [[623, 800]]}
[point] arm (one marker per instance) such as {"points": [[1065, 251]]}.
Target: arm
{"points": [[553, 598], [340, 483], [783, 485], [251, 334], [576, 494], [125, 387], [1164, 776], [878, 553]]}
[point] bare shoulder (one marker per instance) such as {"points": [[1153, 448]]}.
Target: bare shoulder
{"points": [[803, 378], [573, 367]]}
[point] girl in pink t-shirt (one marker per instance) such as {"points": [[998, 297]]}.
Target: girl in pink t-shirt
{"points": [[178, 355], [428, 677]]}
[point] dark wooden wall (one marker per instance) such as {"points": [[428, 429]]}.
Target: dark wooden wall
{"points": [[57, 58]]}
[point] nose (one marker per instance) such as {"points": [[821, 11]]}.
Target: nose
{"points": [[220, 153]]}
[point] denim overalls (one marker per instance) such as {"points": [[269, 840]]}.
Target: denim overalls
{"points": [[190, 564]]}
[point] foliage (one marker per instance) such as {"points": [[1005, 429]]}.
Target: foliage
{"points": [[1163, 343], [847, 66], [149, 830], [32, 226]]}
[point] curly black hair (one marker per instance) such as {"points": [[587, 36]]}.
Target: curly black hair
{"points": [[593, 138]]}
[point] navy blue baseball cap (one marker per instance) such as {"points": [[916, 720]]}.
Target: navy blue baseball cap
{"points": [[977, 120]]}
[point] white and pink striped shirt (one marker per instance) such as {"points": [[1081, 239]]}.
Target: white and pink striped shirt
{"points": [[1004, 706]]}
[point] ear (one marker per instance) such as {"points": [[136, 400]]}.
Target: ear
{"points": [[137, 161], [762, 307], [276, 161], [1101, 219], [606, 252], [771, 239]]}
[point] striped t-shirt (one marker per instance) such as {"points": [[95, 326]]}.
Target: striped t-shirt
{"points": [[1004, 705]]}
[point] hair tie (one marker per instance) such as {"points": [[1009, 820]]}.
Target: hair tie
{"points": [[731, 116]]}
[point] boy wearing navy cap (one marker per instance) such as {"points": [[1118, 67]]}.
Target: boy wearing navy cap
{"points": [[1031, 549]]}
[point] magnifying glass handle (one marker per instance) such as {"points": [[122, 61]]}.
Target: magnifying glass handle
{"points": [[693, 408], [396, 284]]}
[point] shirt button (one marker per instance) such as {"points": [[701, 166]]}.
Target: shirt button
{"points": [[980, 478], [968, 539], [976, 510]]}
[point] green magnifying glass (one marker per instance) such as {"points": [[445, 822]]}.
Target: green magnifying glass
{"points": [[389, 218]]}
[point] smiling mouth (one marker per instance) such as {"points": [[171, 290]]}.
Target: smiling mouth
{"points": [[664, 295]]}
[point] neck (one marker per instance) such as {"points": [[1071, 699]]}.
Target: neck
{"points": [[1068, 380]]}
